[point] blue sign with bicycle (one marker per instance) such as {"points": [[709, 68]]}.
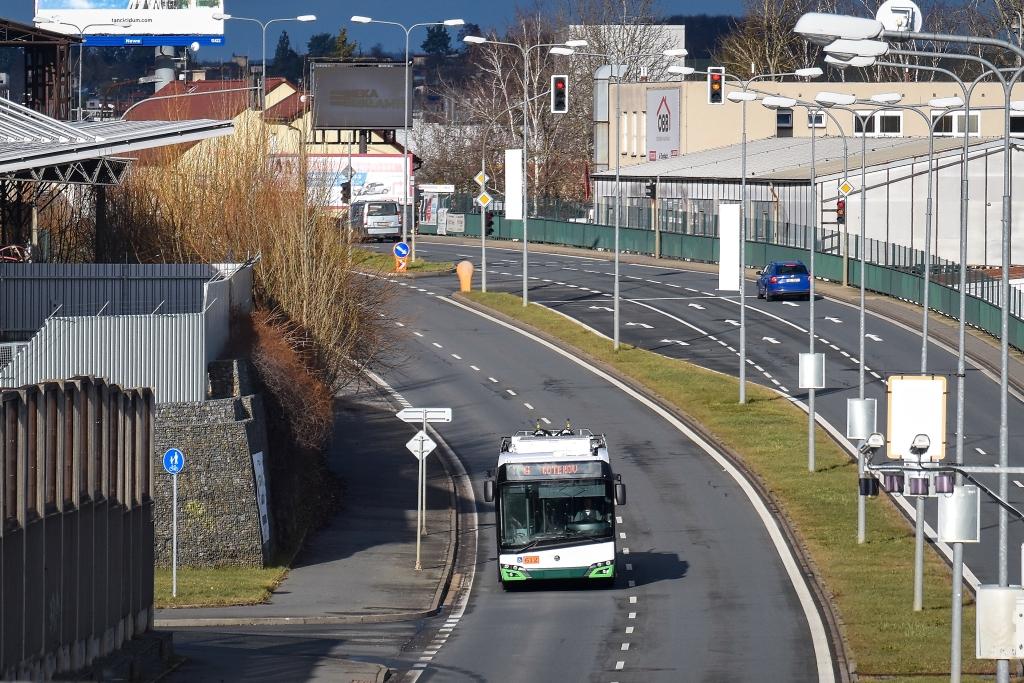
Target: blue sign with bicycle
{"points": [[174, 461], [401, 250]]}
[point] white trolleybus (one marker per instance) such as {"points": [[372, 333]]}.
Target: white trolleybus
{"points": [[555, 495]]}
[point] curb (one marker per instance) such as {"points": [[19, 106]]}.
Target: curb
{"points": [[435, 606], [825, 607]]}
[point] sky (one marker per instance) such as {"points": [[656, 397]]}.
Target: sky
{"points": [[244, 37]]}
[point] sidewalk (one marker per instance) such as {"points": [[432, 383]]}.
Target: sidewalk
{"points": [[982, 348], [360, 567]]}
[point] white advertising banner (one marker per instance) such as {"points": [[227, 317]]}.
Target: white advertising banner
{"points": [[729, 247], [261, 494], [132, 17], [662, 124], [374, 176], [917, 406], [514, 184]]}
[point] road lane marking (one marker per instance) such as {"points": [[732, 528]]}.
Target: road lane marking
{"points": [[630, 629], [618, 520], [528, 406], [1018, 484], [438, 345], [619, 665], [418, 334], [510, 392], [493, 381], [456, 356], [632, 599], [625, 646], [622, 534], [400, 324], [545, 420], [629, 567], [632, 615], [980, 452], [625, 551], [632, 583], [475, 368]]}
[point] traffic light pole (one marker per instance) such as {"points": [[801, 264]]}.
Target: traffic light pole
{"points": [[483, 218]]}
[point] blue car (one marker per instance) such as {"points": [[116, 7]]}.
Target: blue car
{"points": [[783, 278]]}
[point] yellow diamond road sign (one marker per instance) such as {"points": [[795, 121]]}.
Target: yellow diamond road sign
{"points": [[483, 199], [846, 188], [481, 178]]}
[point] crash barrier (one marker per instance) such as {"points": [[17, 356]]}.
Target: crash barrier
{"points": [[76, 543]]}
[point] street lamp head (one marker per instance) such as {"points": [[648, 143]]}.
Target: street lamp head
{"points": [[776, 102], [306, 17], [361, 19], [848, 49], [809, 72], [45, 20], [1017, 105], [875, 441], [561, 50], [831, 99], [856, 62], [576, 43], [946, 103], [886, 98], [681, 70], [220, 16], [675, 52], [741, 96], [820, 28], [454, 22], [474, 40]]}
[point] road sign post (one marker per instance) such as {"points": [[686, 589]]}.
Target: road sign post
{"points": [[174, 462], [421, 445], [401, 251]]}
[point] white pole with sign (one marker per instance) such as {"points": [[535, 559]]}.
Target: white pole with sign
{"points": [[174, 462], [421, 445]]}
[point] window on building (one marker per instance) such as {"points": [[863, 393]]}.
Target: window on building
{"points": [[784, 123], [881, 124], [952, 124], [816, 119], [624, 134]]}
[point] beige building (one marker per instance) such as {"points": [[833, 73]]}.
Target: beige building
{"points": [[704, 126]]}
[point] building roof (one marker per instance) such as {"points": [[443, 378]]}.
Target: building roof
{"points": [[30, 140], [287, 110], [786, 159], [178, 101]]}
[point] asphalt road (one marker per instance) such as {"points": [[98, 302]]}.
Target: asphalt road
{"points": [[678, 312], [703, 595]]}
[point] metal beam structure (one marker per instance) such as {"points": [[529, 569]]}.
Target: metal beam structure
{"points": [[47, 66]]}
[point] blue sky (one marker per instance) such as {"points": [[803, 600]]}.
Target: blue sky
{"points": [[244, 37]]}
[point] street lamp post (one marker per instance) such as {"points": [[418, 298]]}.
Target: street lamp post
{"points": [[525, 51], [219, 16], [617, 71], [406, 162], [81, 47]]}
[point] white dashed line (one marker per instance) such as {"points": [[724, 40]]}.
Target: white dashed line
{"points": [[456, 356], [400, 324], [630, 629], [494, 381], [844, 353], [510, 392], [625, 646], [418, 334], [475, 368], [1018, 484], [625, 551], [632, 599], [632, 583], [782, 388], [545, 420], [980, 452], [629, 567], [619, 665], [438, 345], [618, 520], [622, 534]]}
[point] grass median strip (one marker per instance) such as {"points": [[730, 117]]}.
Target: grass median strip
{"points": [[386, 263], [217, 587], [871, 584]]}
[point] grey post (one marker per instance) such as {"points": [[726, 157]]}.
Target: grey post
{"points": [[483, 221], [810, 327], [616, 73], [174, 536]]}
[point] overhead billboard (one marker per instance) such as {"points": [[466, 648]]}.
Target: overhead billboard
{"points": [[374, 176], [359, 96], [135, 22], [662, 124]]}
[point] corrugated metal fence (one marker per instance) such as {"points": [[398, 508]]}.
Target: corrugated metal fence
{"points": [[76, 539]]}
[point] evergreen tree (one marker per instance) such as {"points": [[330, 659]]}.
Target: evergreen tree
{"points": [[287, 62], [343, 47], [320, 45], [438, 42]]}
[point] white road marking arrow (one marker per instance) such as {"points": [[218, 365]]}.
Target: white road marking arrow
{"points": [[697, 306], [837, 321], [643, 325], [674, 341], [873, 337], [789, 303], [601, 308], [734, 323], [770, 340]]}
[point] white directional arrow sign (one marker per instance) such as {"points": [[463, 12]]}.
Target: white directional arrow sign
{"points": [[674, 341], [873, 337], [425, 414], [790, 303], [770, 340], [421, 445], [697, 306], [734, 323], [601, 308], [837, 321], [643, 325]]}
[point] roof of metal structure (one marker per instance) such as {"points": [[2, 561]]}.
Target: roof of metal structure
{"points": [[786, 159], [22, 35], [29, 139]]}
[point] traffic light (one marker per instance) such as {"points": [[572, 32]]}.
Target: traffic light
{"points": [[841, 211], [716, 74], [489, 222], [559, 94], [651, 189]]}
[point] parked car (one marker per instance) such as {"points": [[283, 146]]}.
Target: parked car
{"points": [[783, 278]]}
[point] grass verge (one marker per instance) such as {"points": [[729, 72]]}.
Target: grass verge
{"points": [[217, 587], [386, 263], [869, 584]]}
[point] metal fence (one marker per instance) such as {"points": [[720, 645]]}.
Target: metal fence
{"points": [[76, 539]]}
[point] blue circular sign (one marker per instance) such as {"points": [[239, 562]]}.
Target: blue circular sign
{"points": [[401, 249], [174, 461]]}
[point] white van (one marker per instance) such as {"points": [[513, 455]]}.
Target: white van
{"points": [[376, 220]]}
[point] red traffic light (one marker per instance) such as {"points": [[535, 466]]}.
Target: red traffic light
{"points": [[560, 84], [716, 77]]}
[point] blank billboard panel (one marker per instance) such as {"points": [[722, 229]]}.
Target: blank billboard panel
{"points": [[358, 96]]}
